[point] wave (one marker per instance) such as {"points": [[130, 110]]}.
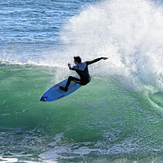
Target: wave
{"points": [[128, 32], [102, 121]]}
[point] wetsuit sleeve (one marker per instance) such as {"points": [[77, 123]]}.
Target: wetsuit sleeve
{"points": [[93, 61], [71, 68]]}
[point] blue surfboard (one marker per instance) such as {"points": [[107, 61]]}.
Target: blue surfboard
{"points": [[55, 93]]}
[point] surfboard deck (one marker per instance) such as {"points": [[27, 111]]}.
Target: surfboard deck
{"points": [[55, 93]]}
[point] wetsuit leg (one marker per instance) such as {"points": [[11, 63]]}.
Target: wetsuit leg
{"points": [[71, 78], [76, 80]]}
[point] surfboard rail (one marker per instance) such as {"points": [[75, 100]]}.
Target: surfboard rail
{"points": [[55, 93]]}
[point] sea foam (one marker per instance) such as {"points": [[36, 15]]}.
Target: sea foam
{"points": [[128, 32]]}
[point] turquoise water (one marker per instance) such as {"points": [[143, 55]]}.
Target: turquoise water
{"points": [[117, 117]]}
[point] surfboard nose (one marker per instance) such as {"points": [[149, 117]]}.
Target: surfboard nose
{"points": [[43, 99]]}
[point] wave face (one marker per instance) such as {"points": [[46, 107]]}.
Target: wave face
{"points": [[100, 122], [117, 117]]}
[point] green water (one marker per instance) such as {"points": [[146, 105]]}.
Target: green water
{"points": [[100, 122]]}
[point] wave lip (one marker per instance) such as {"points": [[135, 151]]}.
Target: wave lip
{"points": [[128, 32]]}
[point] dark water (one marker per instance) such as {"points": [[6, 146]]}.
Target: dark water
{"points": [[117, 117]]}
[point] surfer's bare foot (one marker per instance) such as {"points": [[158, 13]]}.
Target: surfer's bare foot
{"points": [[63, 88]]}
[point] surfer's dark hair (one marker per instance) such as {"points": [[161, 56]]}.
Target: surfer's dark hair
{"points": [[77, 59]]}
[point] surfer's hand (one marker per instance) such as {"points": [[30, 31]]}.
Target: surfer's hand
{"points": [[104, 58], [69, 64]]}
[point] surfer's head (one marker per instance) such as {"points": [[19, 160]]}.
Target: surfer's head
{"points": [[77, 60]]}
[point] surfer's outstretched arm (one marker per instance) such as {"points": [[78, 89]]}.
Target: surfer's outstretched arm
{"points": [[96, 60]]}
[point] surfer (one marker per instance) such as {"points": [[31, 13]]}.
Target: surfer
{"points": [[82, 69]]}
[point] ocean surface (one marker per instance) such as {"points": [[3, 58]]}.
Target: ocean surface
{"points": [[117, 117]]}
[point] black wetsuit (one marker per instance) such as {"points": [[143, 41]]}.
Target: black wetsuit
{"points": [[82, 70]]}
